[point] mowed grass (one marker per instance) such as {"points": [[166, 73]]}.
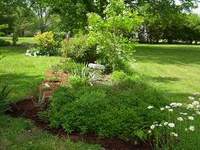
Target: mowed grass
{"points": [[23, 75], [21, 40], [21, 134], [174, 69]]}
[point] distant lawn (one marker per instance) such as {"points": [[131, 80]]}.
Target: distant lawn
{"points": [[21, 73], [21, 40], [174, 69]]}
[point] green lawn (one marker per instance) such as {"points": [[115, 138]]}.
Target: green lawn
{"points": [[174, 69], [23, 74], [21, 40], [21, 134]]}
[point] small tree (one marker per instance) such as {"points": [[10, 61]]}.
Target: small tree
{"points": [[112, 33]]}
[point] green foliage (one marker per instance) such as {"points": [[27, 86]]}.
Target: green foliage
{"points": [[168, 22], [118, 76], [3, 26], [111, 34], [47, 45], [73, 13], [74, 68], [79, 49], [4, 93], [77, 81], [119, 110], [4, 43]]}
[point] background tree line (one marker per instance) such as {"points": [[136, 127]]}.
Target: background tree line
{"points": [[163, 20]]}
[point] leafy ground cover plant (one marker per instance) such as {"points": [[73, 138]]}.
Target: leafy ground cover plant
{"points": [[117, 109], [179, 122]]}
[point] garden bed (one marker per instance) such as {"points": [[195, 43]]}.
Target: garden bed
{"points": [[29, 108]]}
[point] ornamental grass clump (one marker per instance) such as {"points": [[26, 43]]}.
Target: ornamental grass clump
{"points": [[179, 122]]}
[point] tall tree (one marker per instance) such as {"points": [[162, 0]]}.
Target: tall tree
{"points": [[42, 12], [74, 12]]}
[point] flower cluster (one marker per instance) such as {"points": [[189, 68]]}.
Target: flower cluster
{"points": [[179, 117], [32, 53]]}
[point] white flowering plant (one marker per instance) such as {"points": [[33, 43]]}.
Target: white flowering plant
{"points": [[179, 122]]}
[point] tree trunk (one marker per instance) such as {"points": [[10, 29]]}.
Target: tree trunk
{"points": [[15, 38]]}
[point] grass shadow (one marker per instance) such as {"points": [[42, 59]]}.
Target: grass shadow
{"points": [[164, 79], [174, 54], [22, 85]]}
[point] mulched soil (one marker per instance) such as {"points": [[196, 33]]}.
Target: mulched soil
{"points": [[29, 108]]}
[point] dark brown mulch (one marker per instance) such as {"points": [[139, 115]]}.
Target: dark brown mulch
{"points": [[29, 108]]}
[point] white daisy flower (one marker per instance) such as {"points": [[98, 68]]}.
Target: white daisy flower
{"points": [[180, 119], [190, 97], [162, 108], [195, 103], [179, 104], [190, 117], [167, 107], [190, 106], [171, 125], [176, 104], [174, 134], [181, 113], [165, 123], [150, 107], [149, 131], [191, 128], [152, 127]]}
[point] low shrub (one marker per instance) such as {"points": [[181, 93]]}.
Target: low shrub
{"points": [[117, 110], [47, 44], [79, 49], [4, 43]]}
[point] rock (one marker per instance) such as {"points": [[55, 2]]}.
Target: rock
{"points": [[96, 66]]}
